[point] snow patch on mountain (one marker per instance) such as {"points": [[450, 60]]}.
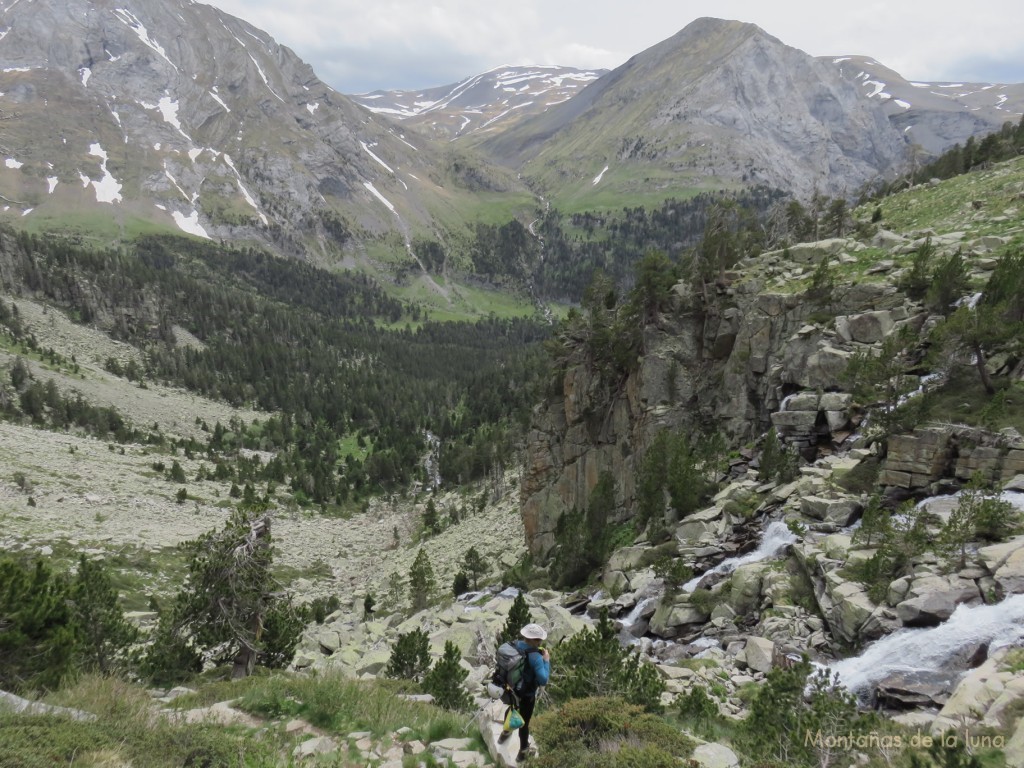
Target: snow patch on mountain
{"points": [[108, 189], [190, 223], [495, 95], [218, 99], [244, 191], [379, 196], [366, 148], [132, 22], [168, 108], [263, 75]]}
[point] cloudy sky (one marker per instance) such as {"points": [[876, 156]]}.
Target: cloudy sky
{"points": [[361, 45]]}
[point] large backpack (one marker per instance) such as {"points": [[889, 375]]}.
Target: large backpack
{"points": [[510, 671]]}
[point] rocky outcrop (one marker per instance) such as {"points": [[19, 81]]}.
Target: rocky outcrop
{"points": [[930, 600], [1005, 562], [929, 454], [734, 360]]}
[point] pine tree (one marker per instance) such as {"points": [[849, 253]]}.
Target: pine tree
{"points": [[421, 581], [230, 604], [38, 634], [793, 716], [444, 681], [518, 617], [177, 474], [474, 565], [105, 633], [431, 523], [975, 517], [410, 657]]}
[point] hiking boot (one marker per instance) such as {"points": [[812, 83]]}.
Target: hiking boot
{"points": [[521, 757], [504, 736]]}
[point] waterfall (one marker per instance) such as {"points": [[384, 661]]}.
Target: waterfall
{"points": [[432, 463], [926, 650], [633, 616], [776, 538]]}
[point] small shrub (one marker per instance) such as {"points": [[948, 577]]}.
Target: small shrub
{"points": [[22, 481], [592, 663], [778, 463], [320, 608], [603, 732], [696, 708], [674, 572]]}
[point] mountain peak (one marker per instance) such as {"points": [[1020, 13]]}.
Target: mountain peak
{"points": [[180, 116]]}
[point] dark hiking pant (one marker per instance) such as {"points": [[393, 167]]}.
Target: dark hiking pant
{"points": [[526, 706]]}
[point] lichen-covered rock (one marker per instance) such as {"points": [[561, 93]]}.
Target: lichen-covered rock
{"points": [[715, 756], [759, 654], [745, 595]]}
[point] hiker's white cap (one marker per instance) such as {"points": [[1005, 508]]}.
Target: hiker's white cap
{"points": [[533, 632]]}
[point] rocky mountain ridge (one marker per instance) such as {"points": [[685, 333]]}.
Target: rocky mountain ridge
{"points": [[720, 103], [177, 115], [935, 115], [486, 103]]}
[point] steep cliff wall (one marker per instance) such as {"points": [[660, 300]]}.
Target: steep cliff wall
{"points": [[728, 363]]}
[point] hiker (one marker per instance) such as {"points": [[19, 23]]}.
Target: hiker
{"points": [[536, 672]]}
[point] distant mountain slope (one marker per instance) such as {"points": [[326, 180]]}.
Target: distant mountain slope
{"points": [[489, 102], [173, 114], [935, 116], [721, 103]]}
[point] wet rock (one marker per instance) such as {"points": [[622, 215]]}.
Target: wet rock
{"points": [[840, 512], [931, 600], [914, 690]]}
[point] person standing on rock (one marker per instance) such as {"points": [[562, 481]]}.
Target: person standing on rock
{"points": [[536, 672]]}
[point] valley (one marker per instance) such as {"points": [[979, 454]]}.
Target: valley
{"points": [[711, 365]]}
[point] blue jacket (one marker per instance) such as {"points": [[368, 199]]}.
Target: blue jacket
{"points": [[537, 670]]}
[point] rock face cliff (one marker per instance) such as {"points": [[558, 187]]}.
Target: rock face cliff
{"points": [[763, 352]]}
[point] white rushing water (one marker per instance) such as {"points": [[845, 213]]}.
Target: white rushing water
{"points": [[634, 616], [928, 650], [776, 538]]}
